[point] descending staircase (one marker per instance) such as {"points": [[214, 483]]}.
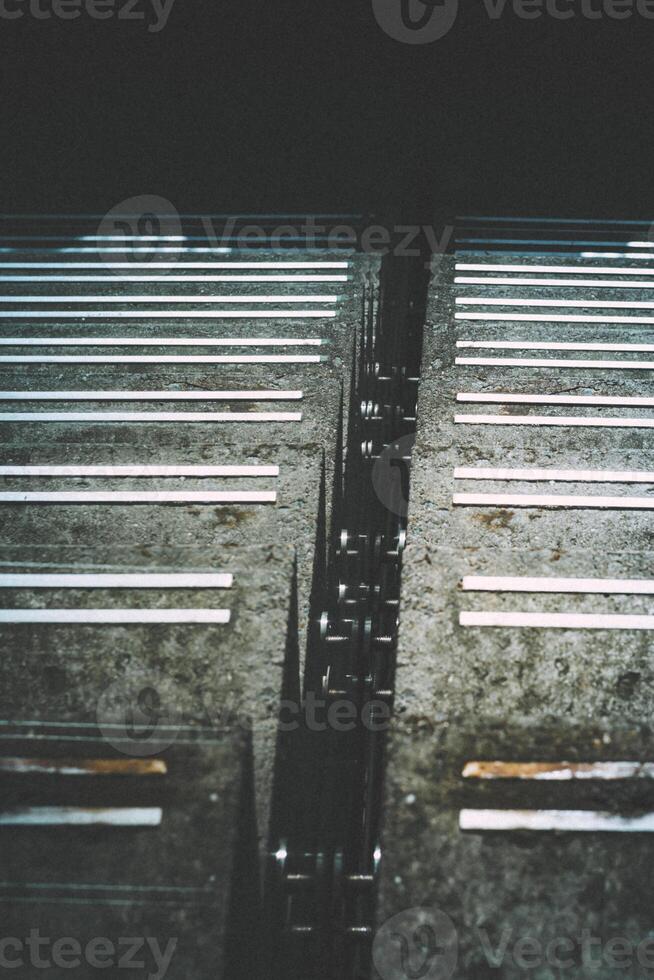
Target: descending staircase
{"points": [[228, 473], [519, 797]]}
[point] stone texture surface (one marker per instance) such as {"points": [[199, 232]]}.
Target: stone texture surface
{"points": [[224, 677], [229, 678], [297, 447], [177, 884], [525, 694], [500, 888]]}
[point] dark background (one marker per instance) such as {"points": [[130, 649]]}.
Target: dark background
{"points": [[268, 104]]}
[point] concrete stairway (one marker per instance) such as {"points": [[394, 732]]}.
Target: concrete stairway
{"points": [[524, 672]]}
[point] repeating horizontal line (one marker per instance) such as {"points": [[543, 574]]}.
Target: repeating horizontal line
{"points": [[167, 314], [500, 398], [553, 475], [95, 887], [195, 216], [558, 771], [617, 255], [540, 250], [113, 249], [582, 270], [601, 586], [266, 395], [271, 277], [555, 241], [139, 497], [83, 767], [534, 318], [527, 281], [204, 736], [182, 901], [71, 816], [171, 298], [161, 359], [573, 303], [551, 500], [127, 239], [150, 417], [163, 342], [536, 220], [541, 345], [578, 421], [123, 472], [539, 620], [174, 250], [573, 821], [92, 731], [549, 362], [119, 616], [153, 580], [176, 266]]}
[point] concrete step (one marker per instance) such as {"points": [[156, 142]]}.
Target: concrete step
{"points": [[99, 842], [525, 626], [208, 675]]}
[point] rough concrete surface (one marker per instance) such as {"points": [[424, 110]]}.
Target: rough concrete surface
{"points": [[222, 677], [177, 883], [517, 693]]}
